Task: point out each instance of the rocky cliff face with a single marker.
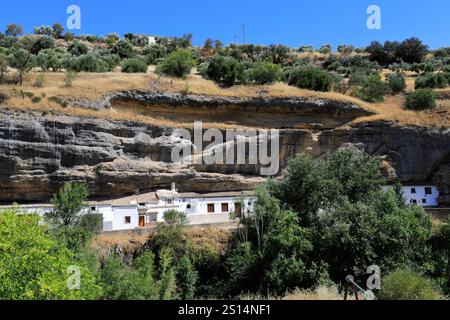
(39, 151)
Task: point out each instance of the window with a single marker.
(224, 207)
(142, 204)
(210, 207)
(413, 190)
(169, 201)
(127, 220)
(188, 206)
(428, 190)
(414, 201)
(93, 208)
(424, 200)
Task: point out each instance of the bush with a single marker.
(69, 77)
(407, 285)
(123, 49)
(134, 65)
(373, 89)
(421, 99)
(430, 80)
(39, 82)
(265, 72)
(153, 53)
(77, 49)
(397, 82)
(309, 77)
(178, 64)
(42, 43)
(88, 63)
(225, 70)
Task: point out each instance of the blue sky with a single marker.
(289, 22)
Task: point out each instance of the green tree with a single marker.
(225, 70)
(42, 43)
(397, 82)
(76, 48)
(309, 77)
(123, 49)
(13, 30)
(421, 99)
(265, 72)
(170, 234)
(23, 61)
(68, 203)
(134, 65)
(3, 66)
(186, 278)
(167, 282)
(34, 265)
(58, 29)
(178, 64)
(407, 285)
(252, 264)
(373, 89)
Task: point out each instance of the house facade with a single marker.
(147, 209)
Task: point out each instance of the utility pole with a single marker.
(234, 38)
(243, 33)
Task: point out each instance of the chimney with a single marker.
(173, 187)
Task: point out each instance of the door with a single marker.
(237, 209)
(141, 221)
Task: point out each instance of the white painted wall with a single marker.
(417, 195)
(119, 214)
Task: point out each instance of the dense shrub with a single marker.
(178, 64)
(224, 70)
(123, 49)
(410, 51)
(373, 89)
(153, 53)
(134, 65)
(88, 63)
(421, 99)
(407, 285)
(431, 80)
(265, 72)
(76, 48)
(309, 77)
(42, 43)
(397, 82)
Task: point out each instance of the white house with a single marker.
(423, 195)
(143, 210)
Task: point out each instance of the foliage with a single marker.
(13, 30)
(373, 89)
(431, 80)
(352, 221)
(225, 70)
(397, 82)
(178, 64)
(76, 48)
(186, 278)
(34, 265)
(421, 99)
(410, 51)
(23, 61)
(123, 49)
(42, 43)
(134, 65)
(88, 63)
(265, 72)
(69, 77)
(407, 285)
(154, 53)
(309, 77)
